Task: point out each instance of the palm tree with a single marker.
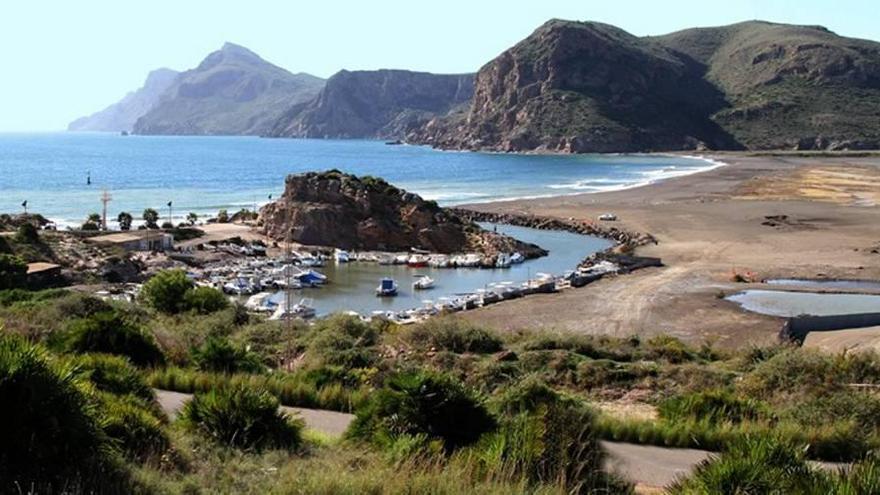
(192, 218)
(151, 216)
(124, 220)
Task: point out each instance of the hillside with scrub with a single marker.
(440, 407)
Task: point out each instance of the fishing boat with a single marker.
(503, 261)
(342, 256)
(423, 282)
(387, 287)
(417, 261)
(303, 309)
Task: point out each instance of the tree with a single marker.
(166, 291)
(124, 220)
(93, 222)
(223, 216)
(13, 272)
(192, 218)
(205, 300)
(151, 217)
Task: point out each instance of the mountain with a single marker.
(122, 115)
(591, 87)
(233, 91)
(375, 104)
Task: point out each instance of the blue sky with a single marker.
(63, 59)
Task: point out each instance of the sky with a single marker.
(64, 59)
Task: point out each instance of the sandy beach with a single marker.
(772, 216)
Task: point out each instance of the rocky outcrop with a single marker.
(122, 115)
(385, 104)
(590, 87)
(233, 91)
(366, 213)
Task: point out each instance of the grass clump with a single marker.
(422, 403)
(241, 417)
(714, 407)
(455, 335)
(219, 355)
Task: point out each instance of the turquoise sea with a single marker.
(205, 174)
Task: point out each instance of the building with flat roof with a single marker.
(137, 240)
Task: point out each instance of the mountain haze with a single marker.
(122, 115)
(375, 104)
(233, 91)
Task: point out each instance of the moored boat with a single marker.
(387, 287)
(423, 282)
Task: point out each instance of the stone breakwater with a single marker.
(625, 241)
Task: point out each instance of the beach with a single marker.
(770, 216)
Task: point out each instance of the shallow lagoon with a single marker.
(790, 304)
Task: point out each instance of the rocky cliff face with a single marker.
(122, 115)
(350, 212)
(589, 87)
(375, 104)
(233, 91)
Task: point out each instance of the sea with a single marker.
(64, 175)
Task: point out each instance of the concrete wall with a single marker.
(798, 327)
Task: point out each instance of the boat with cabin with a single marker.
(387, 287)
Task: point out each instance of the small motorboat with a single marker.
(311, 278)
(423, 282)
(608, 217)
(503, 261)
(342, 256)
(387, 287)
(517, 258)
(303, 309)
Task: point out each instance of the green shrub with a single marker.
(113, 374)
(455, 335)
(345, 341)
(667, 348)
(219, 355)
(137, 428)
(241, 417)
(13, 272)
(591, 346)
(27, 234)
(50, 432)
(712, 406)
(109, 333)
(755, 465)
(421, 403)
(204, 300)
(12, 296)
(166, 290)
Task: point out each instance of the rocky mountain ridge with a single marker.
(122, 115)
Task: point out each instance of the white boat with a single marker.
(259, 302)
(439, 261)
(303, 309)
(387, 287)
(401, 259)
(423, 282)
(608, 217)
(517, 258)
(503, 261)
(471, 260)
(342, 256)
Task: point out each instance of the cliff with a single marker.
(233, 91)
(341, 210)
(375, 104)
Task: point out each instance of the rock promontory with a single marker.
(367, 213)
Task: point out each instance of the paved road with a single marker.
(645, 465)
(329, 422)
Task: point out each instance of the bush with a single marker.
(241, 417)
(219, 355)
(166, 290)
(109, 333)
(204, 300)
(343, 340)
(420, 403)
(664, 347)
(27, 234)
(755, 465)
(714, 407)
(113, 374)
(11, 296)
(49, 429)
(13, 272)
(455, 335)
(137, 429)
